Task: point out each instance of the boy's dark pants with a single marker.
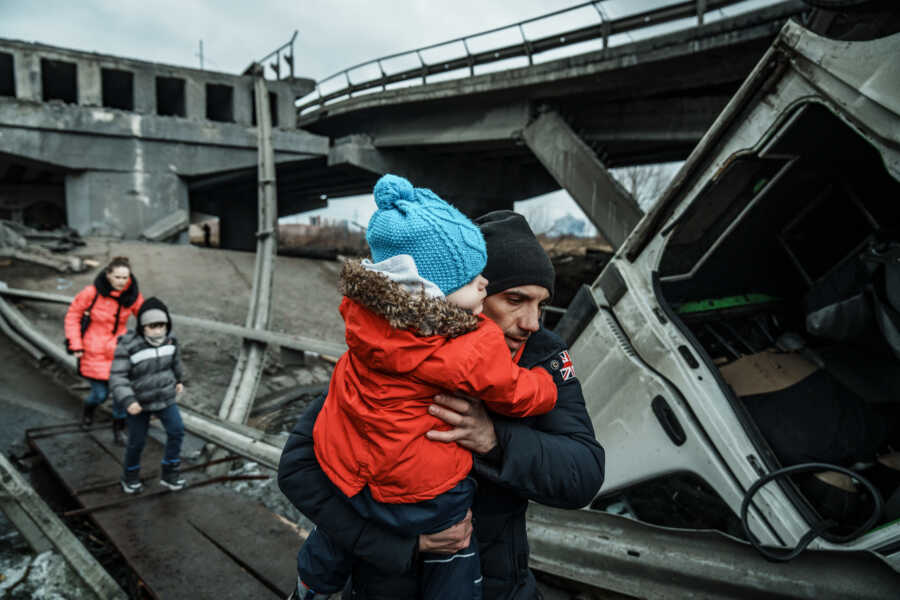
(324, 567)
(138, 424)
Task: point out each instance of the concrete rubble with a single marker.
(45, 576)
(26, 244)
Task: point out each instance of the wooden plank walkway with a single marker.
(200, 542)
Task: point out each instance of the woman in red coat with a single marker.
(94, 321)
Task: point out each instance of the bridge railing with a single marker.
(341, 86)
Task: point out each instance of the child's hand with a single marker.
(78, 353)
(179, 387)
(134, 408)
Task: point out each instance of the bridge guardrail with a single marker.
(528, 48)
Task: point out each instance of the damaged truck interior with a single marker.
(785, 273)
(744, 344)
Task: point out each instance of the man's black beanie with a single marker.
(514, 255)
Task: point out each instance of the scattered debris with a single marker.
(62, 239)
(30, 245)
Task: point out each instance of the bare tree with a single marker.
(538, 218)
(646, 182)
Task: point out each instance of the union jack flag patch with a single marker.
(566, 369)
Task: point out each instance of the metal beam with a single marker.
(641, 560)
(242, 390)
(33, 336)
(40, 518)
(577, 169)
(19, 518)
(22, 342)
(294, 342)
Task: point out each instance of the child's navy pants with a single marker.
(324, 567)
(138, 424)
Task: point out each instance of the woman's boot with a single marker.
(87, 415)
(118, 427)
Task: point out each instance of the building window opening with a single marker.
(7, 75)
(170, 97)
(273, 108)
(219, 102)
(59, 80)
(118, 89)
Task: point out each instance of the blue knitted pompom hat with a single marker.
(447, 247)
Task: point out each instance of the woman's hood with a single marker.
(126, 297)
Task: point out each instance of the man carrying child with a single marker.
(552, 458)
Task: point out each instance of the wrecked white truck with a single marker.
(740, 354)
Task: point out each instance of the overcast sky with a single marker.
(333, 34)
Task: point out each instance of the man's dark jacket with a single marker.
(553, 459)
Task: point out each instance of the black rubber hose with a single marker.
(818, 528)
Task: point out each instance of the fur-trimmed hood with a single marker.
(404, 310)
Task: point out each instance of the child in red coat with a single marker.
(414, 330)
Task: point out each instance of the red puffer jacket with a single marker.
(371, 430)
(108, 318)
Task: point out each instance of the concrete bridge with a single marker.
(112, 145)
(487, 140)
(119, 143)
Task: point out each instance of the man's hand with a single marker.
(78, 353)
(179, 387)
(451, 540)
(134, 408)
(472, 427)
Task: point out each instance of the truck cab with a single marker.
(751, 320)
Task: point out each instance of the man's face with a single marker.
(517, 310)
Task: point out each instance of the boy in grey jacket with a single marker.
(145, 377)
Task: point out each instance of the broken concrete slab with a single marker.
(167, 227)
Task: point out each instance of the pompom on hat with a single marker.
(447, 247)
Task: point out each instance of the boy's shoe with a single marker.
(172, 479)
(131, 482)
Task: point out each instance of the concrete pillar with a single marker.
(195, 98)
(243, 104)
(144, 92)
(28, 75)
(122, 203)
(90, 89)
(287, 115)
(577, 169)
